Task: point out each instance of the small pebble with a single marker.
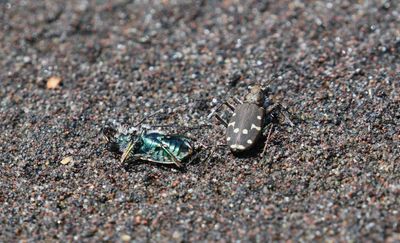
(126, 238)
(66, 160)
(53, 82)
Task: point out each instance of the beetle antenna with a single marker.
(147, 117)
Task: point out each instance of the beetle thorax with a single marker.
(256, 96)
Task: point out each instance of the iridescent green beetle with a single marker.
(153, 147)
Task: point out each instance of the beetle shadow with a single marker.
(133, 166)
(199, 158)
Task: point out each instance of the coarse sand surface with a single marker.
(70, 68)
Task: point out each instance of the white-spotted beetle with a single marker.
(249, 120)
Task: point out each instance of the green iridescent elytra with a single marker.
(153, 147)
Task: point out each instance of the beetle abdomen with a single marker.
(156, 145)
(245, 127)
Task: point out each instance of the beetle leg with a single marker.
(214, 112)
(230, 106)
(148, 159)
(197, 151)
(267, 140)
(286, 114)
(221, 120)
(127, 152)
(282, 111)
(147, 117)
(193, 158)
(176, 160)
(237, 100)
(211, 153)
(271, 108)
(266, 129)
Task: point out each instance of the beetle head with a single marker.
(256, 95)
(116, 142)
(108, 134)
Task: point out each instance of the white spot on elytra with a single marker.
(237, 146)
(240, 147)
(234, 114)
(231, 124)
(255, 127)
(245, 131)
(249, 141)
(228, 139)
(259, 117)
(236, 130)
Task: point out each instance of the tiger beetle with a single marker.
(153, 146)
(250, 120)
